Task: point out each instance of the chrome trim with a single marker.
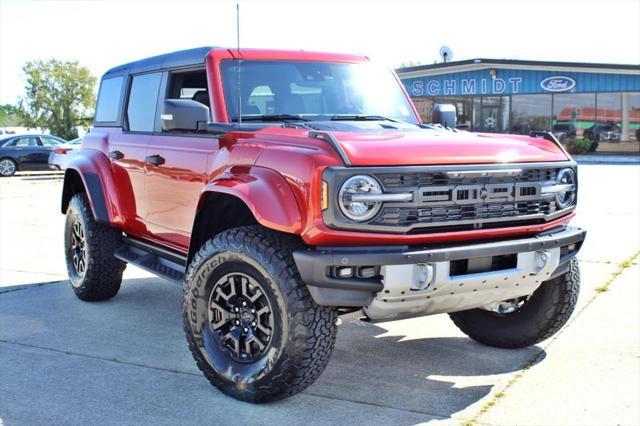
(552, 189)
(484, 173)
(386, 197)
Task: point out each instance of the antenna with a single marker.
(239, 62)
(446, 54)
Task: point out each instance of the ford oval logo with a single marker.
(557, 84)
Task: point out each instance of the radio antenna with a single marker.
(239, 62)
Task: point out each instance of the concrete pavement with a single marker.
(63, 361)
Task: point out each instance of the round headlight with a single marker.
(359, 208)
(565, 198)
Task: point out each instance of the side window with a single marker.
(189, 85)
(143, 99)
(48, 141)
(108, 105)
(27, 142)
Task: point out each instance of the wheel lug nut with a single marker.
(237, 322)
(244, 303)
(246, 330)
(253, 324)
(253, 311)
(236, 309)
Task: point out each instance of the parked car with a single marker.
(26, 152)
(283, 199)
(61, 155)
(599, 132)
(563, 131)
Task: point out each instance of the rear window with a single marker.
(142, 102)
(108, 105)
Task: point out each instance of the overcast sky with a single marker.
(103, 34)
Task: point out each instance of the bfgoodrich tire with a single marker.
(251, 325)
(94, 273)
(539, 318)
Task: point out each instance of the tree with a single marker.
(9, 116)
(59, 96)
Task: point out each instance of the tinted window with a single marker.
(30, 142)
(109, 100)
(143, 97)
(50, 141)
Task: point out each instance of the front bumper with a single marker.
(316, 266)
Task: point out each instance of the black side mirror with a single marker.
(445, 115)
(184, 115)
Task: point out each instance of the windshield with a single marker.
(313, 91)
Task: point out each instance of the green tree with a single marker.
(9, 116)
(59, 96)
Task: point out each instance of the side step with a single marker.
(159, 261)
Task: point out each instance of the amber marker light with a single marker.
(324, 202)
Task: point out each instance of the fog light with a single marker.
(366, 272)
(345, 272)
(540, 261)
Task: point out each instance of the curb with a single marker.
(607, 159)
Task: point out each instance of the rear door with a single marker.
(176, 165)
(127, 148)
(27, 150)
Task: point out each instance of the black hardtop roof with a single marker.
(180, 58)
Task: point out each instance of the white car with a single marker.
(61, 155)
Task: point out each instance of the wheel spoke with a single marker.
(225, 315)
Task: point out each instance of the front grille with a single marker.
(408, 216)
(454, 198)
(415, 179)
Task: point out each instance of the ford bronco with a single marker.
(282, 189)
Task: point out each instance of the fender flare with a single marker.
(264, 191)
(94, 169)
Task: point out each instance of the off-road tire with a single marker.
(102, 274)
(304, 332)
(546, 311)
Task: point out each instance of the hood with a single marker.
(408, 148)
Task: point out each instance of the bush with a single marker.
(577, 146)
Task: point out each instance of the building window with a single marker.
(578, 109)
(530, 112)
(632, 101)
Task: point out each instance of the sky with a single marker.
(102, 34)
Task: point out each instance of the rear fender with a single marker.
(94, 169)
(265, 192)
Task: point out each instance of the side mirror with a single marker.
(184, 115)
(445, 115)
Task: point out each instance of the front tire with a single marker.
(250, 322)
(539, 317)
(94, 272)
(8, 167)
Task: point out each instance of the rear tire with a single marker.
(94, 272)
(250, 322)
(541, 316)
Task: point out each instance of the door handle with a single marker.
(116, 155)
(156, 160)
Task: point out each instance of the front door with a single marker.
(176, 168)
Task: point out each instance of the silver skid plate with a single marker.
(427, 289)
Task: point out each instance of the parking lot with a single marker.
(63, 361)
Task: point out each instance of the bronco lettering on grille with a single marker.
(479, 193)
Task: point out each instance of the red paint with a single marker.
(276, 171)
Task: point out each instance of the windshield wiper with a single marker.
(361, 117)
(271, 117)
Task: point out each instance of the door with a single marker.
(48, 144)
(28, 152)
(176, 168)
(127, 149)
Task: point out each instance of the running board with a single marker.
(159, 261)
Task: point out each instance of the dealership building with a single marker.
(501, 95)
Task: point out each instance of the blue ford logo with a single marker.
(557, 84)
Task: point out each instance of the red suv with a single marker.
(283, 189)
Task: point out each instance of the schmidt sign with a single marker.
(450, 85)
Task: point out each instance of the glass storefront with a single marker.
(602, 116)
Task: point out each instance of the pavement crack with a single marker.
(20, 287)
(112, 360)
(373, 404)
